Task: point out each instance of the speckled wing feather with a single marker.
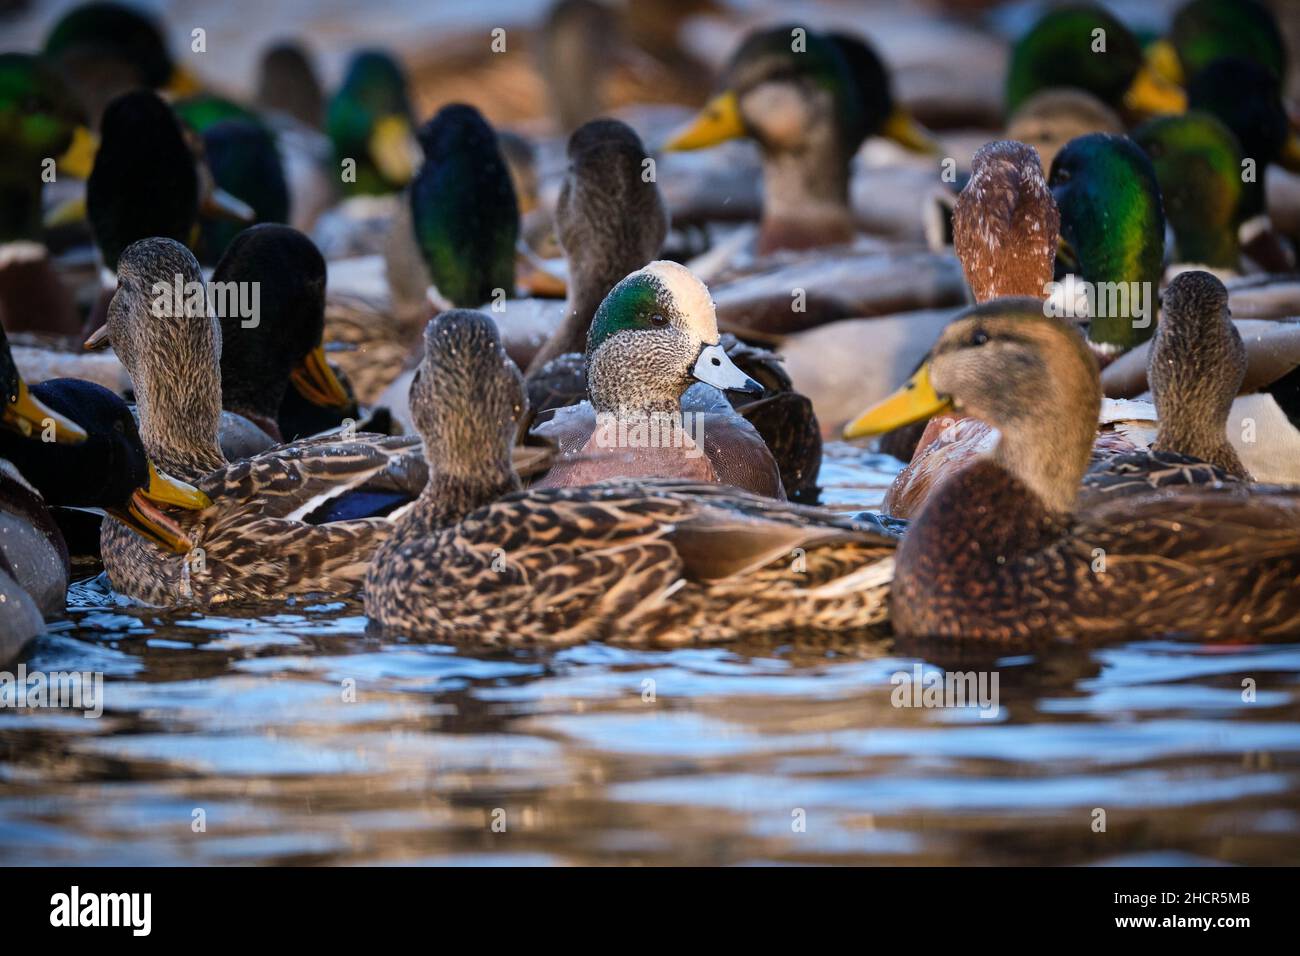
(1148, 470)
(254, 543)
(659, 561)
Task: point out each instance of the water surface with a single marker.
(297, 738)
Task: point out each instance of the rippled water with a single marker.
(787, 751)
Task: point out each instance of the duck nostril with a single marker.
(716, 362)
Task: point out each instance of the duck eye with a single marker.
(979, 338)
(658, 319)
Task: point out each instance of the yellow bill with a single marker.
(1152, 95)
(718, 122)
(1289, 158)
(145, 516)
(316, 381)
(914, 402)
(182, 83)
(904, 130)
(66, 213)
(393, 149)
(79, 158)
(34, 419)
(1163, 60)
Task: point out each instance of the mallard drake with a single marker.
(1198, 165)
(808, 100)
(273, 367)
(653, 335)
(280, 167)
(147, 180)
(248, 532)
(370, 123)
(106, 49)
(63, 442)
(1112, 231)
(241, 153)
(39, 118)
(643, 561)
(1000, 552)
(1084, 47)
(464, 178)
(1203, 31)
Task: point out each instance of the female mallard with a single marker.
(808, 100)
(653, 335)
(1196, 366)
(249, 532)
(273, 366)
(476, 559)
(999, 551)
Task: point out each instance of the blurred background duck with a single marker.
(39, 120)
(106, 49)
(371, 125)
(617, 560)
(808, 100)
(652, 337)
(274, 370)
(252, 521)
(1001, 552)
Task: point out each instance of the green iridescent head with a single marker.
(1112, 227)
(463, 208)
(369, 120)
(655, 334)
(115, 31)
(1198, 165)
(1206, 30)
(1247, 99)
(204, 110)
(1065, 48)
(243, 159)
(38, 120)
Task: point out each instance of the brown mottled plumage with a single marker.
(644, 561)
(1196, 366)
(999, 551)
(1005, 224)
(256, 540)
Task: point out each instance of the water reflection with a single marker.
(295, 737)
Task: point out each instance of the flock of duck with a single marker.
(619, 453)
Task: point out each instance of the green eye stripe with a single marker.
(630, 305)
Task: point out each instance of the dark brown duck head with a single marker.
(1005, 224)
(610, 219)
(1196, 368)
